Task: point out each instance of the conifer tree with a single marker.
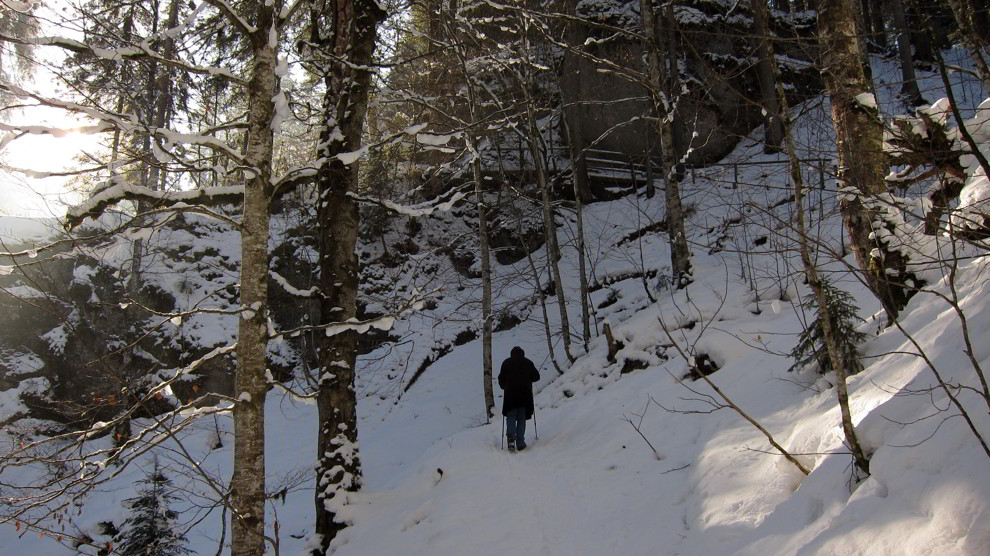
(151, 530)
(842, 314)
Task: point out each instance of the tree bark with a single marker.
(924, 44)
(570, 87)
(534, 142)
(768, 87)
(160, 99)
(661, 86)
(472, 140)
(486, 267)
(814, 281)
(862, 166)
(910, 93)
(248, 481)
(583, 272)
(348, 41)
(877, 26)
(549, 226)
(486, 292)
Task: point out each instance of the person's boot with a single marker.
(511, 442)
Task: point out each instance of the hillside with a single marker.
(632, 457)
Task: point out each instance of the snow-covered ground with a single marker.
(642, 462)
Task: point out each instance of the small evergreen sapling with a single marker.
(811, 344)
(151, 530)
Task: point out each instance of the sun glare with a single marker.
(38, 167)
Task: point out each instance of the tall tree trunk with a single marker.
(543, 298)
(814, 279)
(160, 111)
(815, 282)
(570, 92)
(535, 143)
(570, 83)
(872, 19)
(248, 481)
(472, 140)
(920, 38)
(486, 293)
(348, 41)
(910, 93)
(862, 167)
(877, 28)
(549, 224)
(661, 87)
(486, 266)
(764, 68)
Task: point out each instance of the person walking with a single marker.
(516, 378)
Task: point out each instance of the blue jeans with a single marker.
(515, 426)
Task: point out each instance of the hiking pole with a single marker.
(536, 429)
(503, 433)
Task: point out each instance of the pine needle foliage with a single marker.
(151, 529)
(811, 347)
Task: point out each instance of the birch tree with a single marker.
(260, 26)
(662, 75)
(862, 165)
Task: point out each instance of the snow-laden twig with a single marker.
(96, 204)
(133, 52)
(424, 209)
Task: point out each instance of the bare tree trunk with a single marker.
(247, 484)
(583, 272)
(661, 86)
(814, 280)
(862, 166)
(872, 14)
(924, 43)
(486, 262)
(877, 27)
(534, 142)
(550, 229)
(160, 98)
(910, 93)
(486, 293)
(348, 42)
(543, 299)
(486, 269)
(471, 140)
(570, 87)
(768, 87)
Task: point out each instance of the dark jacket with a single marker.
(516, 378)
